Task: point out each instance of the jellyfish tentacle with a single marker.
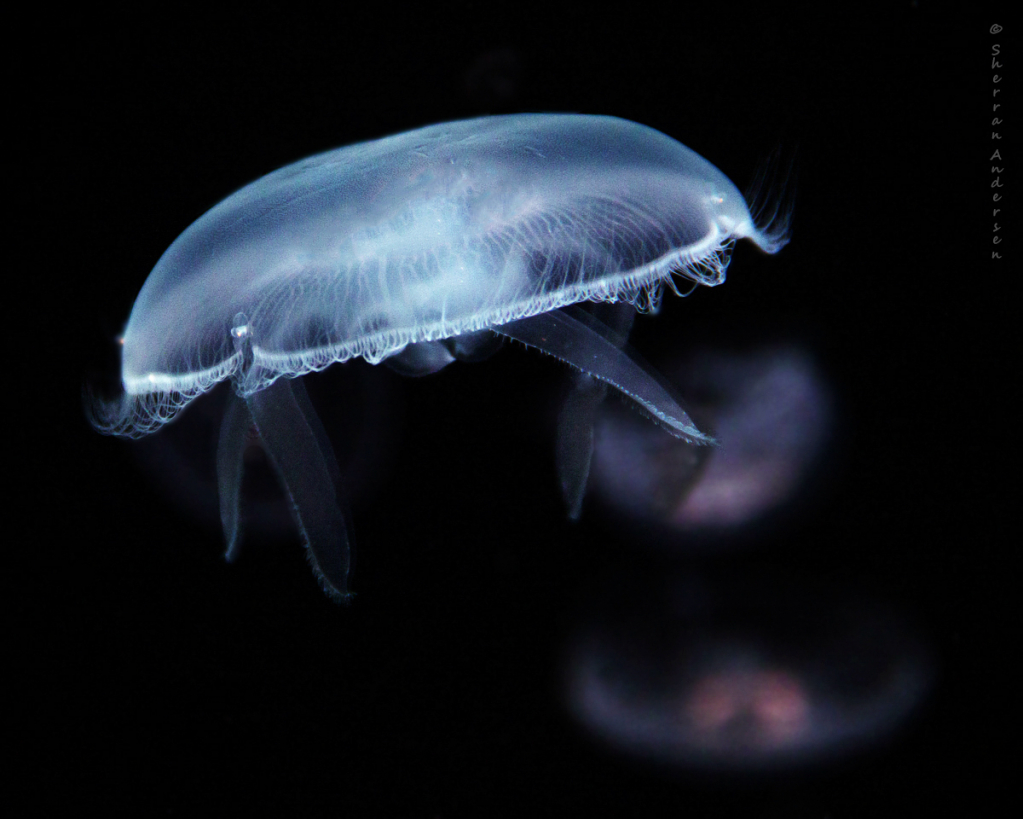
(234, 434)
(303, 461)
(586, 346)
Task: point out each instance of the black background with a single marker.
(159, 680)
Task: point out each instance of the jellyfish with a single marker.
(773, 407)
(741, 673)
(418, 250)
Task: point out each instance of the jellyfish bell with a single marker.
(416, 250)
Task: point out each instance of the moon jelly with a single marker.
(742, 673)
(420, 249)
(771, 405)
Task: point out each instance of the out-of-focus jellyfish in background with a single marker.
(772, 412)
(742, 676)
(418, 250)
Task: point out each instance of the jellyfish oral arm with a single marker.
(574, 451)
(234, 433)
(581, 343)
(428, 357)
(424, 358)
(305, 468)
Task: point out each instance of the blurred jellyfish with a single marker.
(743, 677)
(772, 414)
